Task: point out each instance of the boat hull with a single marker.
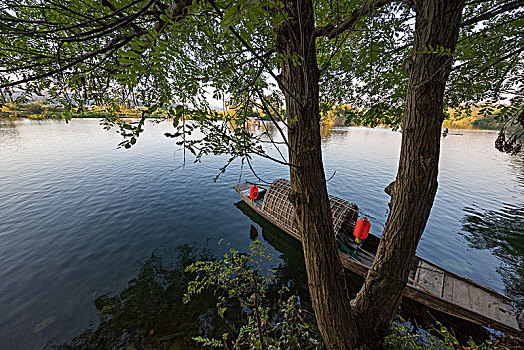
(494, 311)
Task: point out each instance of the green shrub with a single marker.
(239, 279)
(405, 336)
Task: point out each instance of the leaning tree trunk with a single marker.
(300, 84)
(413, 191)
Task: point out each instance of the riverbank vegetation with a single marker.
(470, 117)
(41, 110)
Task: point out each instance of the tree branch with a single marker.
(512, 5)
(330, 31)
(268, 112)
(98, 21)
(259, 58)
(175, 9)
(126, 21)
(513, 53)
(113, 45)
(115, 10)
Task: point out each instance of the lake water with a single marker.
(78, 217)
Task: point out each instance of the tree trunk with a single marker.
(414, 189)
(327, 285)
(364, 321)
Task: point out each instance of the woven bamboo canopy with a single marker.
(277, 204)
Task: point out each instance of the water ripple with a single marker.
(76, 213)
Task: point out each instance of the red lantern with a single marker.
(361, 230)
(253, 192)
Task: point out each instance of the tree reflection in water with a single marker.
(502, 232)
(150, 313)
(8, 129)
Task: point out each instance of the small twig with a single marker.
(332, 176)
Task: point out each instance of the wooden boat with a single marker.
(429, 284)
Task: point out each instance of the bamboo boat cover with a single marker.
(277, 204)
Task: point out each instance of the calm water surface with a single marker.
(78, 215)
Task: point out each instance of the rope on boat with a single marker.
(363, 214)
(257, 184)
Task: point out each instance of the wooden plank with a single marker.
(366, 260)
(477, 297)
(498, 309)
(430, 277)
(417, 272)
(452, 309)
(458, 277)
(447, 291)
(413, 270)
(482, 302)
(478, 300)
(461, 294)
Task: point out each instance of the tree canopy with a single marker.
(164, 54)
(381, 56)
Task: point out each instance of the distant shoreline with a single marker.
(446, 124)
(472, 119)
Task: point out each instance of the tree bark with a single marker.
(414, 189)
(363, 322)
(330, 298)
